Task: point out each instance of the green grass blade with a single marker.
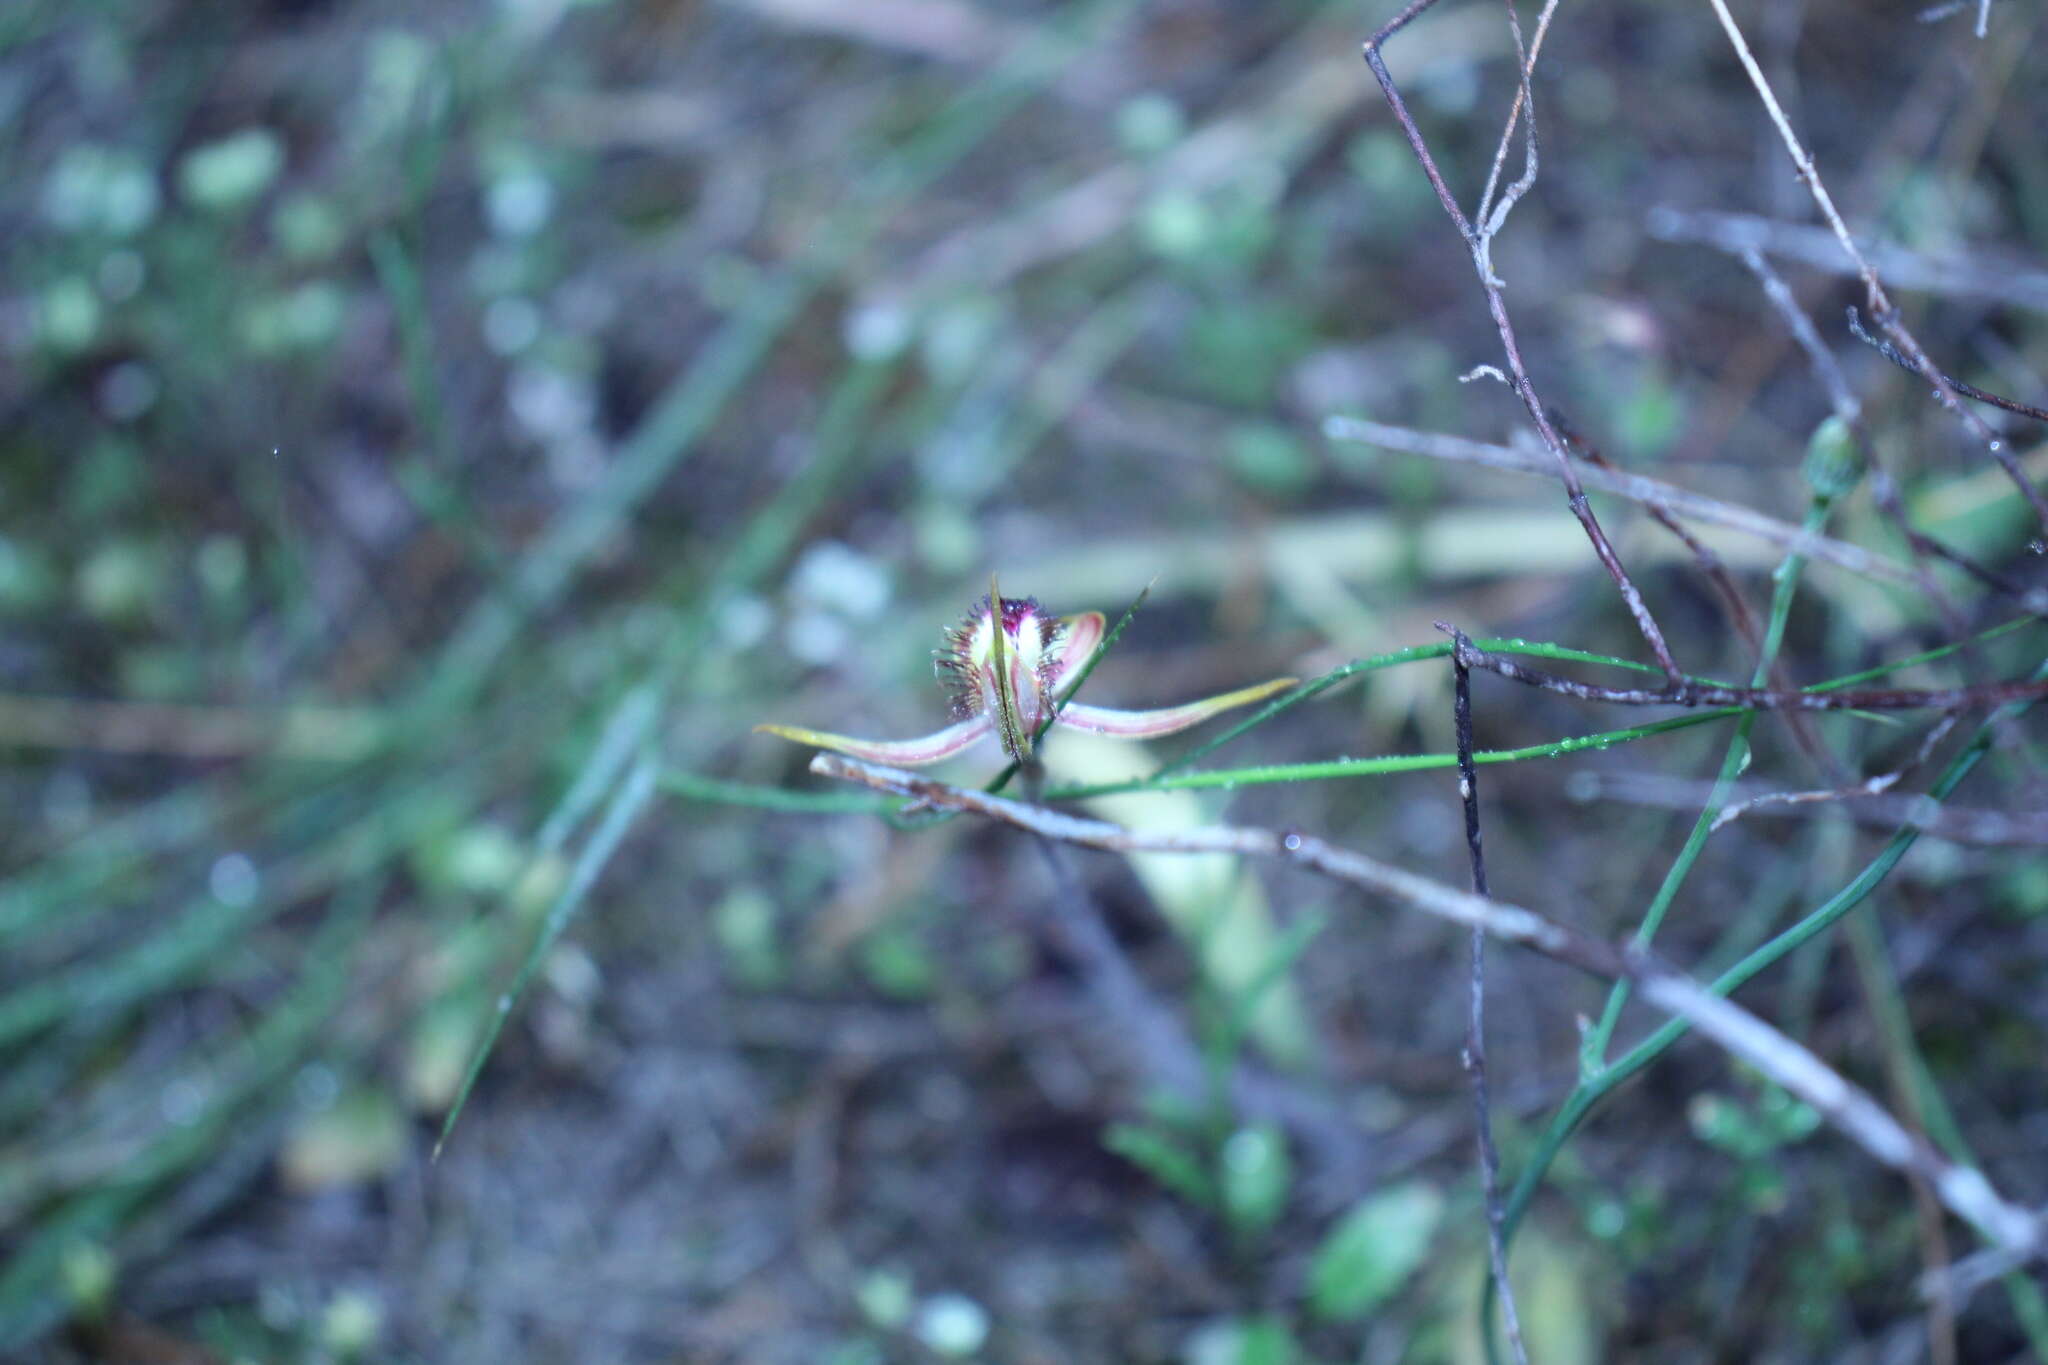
(624, 735)
(624, 809)
(1593, 1047)
(1590, 1092)
(30, 1300)
(1267, 774)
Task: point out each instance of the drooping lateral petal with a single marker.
(1079, 635)
(1167, 720)
(897, 753)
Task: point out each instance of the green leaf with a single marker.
(899, 963)
(227, 174)
(1372, 1250)
(1164, 1159)
(1253, 1176)
(1244, 1341)
(359, 1138)
(1269, 459)
(744, 926)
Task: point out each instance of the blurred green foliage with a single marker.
(434, 437)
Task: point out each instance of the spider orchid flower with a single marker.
(1008, 667)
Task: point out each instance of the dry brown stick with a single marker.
(1494, 216)
(1935, 820)
(1681, 502)
(1891, 353)
(1157, 1046)
(1870, 786)
(1849, 410)
(1732, 599)
(1963, 1191)
(1475, 1018)
(1709, 563)
(1881, 306)
(1478, 240)
(1687, 692)
(1884, 488)
(2012, 281)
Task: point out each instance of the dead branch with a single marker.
(1479, 241)
(1680, 502)
(2015, 282)
(1882, 309)
(1475, 1019)
(1962, 1190)
(1690, 693)
(1891, 353)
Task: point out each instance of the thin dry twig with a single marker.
(1157, 1047)
(1687, 692)
(1934, 820)
(1870, 786)
(1732, 599)
(1964, 1278)
(1475, 1023)
(1709, 563)
(1495, 216)
(1884, 488)
(1934, 14)
(1881, 306)
(1851, 1110)
(1680, 502)
(1479, 241)
(1891, 353)
(2015, 282)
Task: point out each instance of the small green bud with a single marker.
(1833, 462)
(352, 1324)
(88, 1272)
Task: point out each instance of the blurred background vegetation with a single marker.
(431, 436)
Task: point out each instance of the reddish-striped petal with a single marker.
(1167, 720)
(897, 753)
(1079, 635)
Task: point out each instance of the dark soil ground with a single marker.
(433, 436)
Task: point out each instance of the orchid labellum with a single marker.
(1009, 665)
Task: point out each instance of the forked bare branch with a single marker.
(1883, 487)
(1851, 1110)
(1680, 502)
(1491, 216)
(1891, 353)
(1882, 310)
(1478, 240)
(1934, 819)
(2007, 279)
(1691, 693)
